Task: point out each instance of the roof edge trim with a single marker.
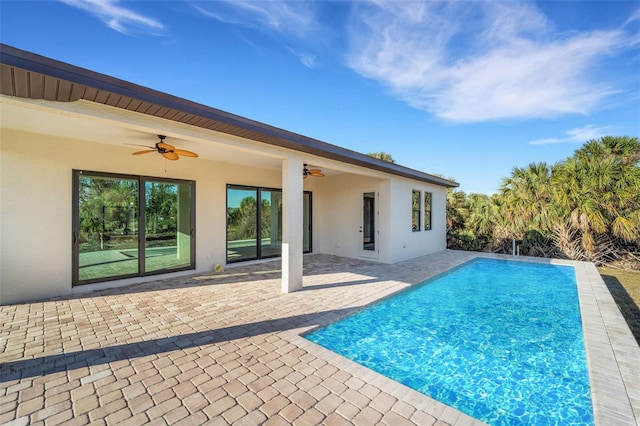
(14, 57)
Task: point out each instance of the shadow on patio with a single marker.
(50, 364)
(315, 265)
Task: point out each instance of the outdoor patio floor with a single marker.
(226, 349)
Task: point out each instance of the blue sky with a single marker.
(465, 89)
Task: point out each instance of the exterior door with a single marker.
(130, 226)
(369, 226)
(254, 223)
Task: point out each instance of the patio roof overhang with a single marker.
(27, 75)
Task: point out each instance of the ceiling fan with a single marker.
(168, 151)
(311, 172)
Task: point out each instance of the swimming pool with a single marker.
(499, 340)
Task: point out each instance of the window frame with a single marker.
(427, 211)
(258, 194)
(141, 220)
(416, 210)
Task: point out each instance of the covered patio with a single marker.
(222, 348)
(100, 215)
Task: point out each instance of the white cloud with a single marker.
(309, 60)
(580, 135)
(295, 18)
(479, 61)
(116, 17)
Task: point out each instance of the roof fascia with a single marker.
(32, 62)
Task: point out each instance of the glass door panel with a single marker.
(368, 221)
(107, 227)
(167, 226)
(369, 226)
(270, 223)
(306, 222)
(242, 224)
(247, 219)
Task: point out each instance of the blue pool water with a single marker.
(499, 340)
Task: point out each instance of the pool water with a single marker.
(498, 340)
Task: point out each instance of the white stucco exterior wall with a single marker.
(405, 243)
(36, 195)
(338, 203)
(36, 207)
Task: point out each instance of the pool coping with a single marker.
(611, 349)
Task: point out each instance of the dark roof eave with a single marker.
(16, 58)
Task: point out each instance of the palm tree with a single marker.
(526, 199)
(598, 191)
(384, 156)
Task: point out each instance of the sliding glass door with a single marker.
(242, 218)
(270, 223)
(106, 240)
(254, 229)
(128, 226)
(167, 226)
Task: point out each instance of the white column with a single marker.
(292, 224)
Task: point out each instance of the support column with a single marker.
(292, 224)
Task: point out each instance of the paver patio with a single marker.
(226, 349)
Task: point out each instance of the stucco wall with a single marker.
(338, 202)
(36, 201)
(338, 207)
(406, 244)
(36, 213)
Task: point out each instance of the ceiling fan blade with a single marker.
(137, 144)
(314, 170)
(170, 156)
(316, 174)
(185, 153)
(304, 177)
(146, 151)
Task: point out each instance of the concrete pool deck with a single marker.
(226, 349)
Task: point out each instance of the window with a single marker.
(128, 226)
(254, 230)
(415, 211)
(427, 211)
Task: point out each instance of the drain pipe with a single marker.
(513, 246)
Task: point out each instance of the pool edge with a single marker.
(611, 350)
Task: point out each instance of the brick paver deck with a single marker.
(226, 349)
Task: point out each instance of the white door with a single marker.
(368, 232)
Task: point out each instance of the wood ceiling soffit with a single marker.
(64, 91)
(223, 127)
(153, 109)
(144, 107)
(102, 97)
(36, 85)
(134, 105)
(163, 112)
(21, 83)
(123, 102)
(170, 114)
(192, 119)
(180, 116)
(112, 99)
(77, 92)
(90, 94)
(209, 124)
(6, 81)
